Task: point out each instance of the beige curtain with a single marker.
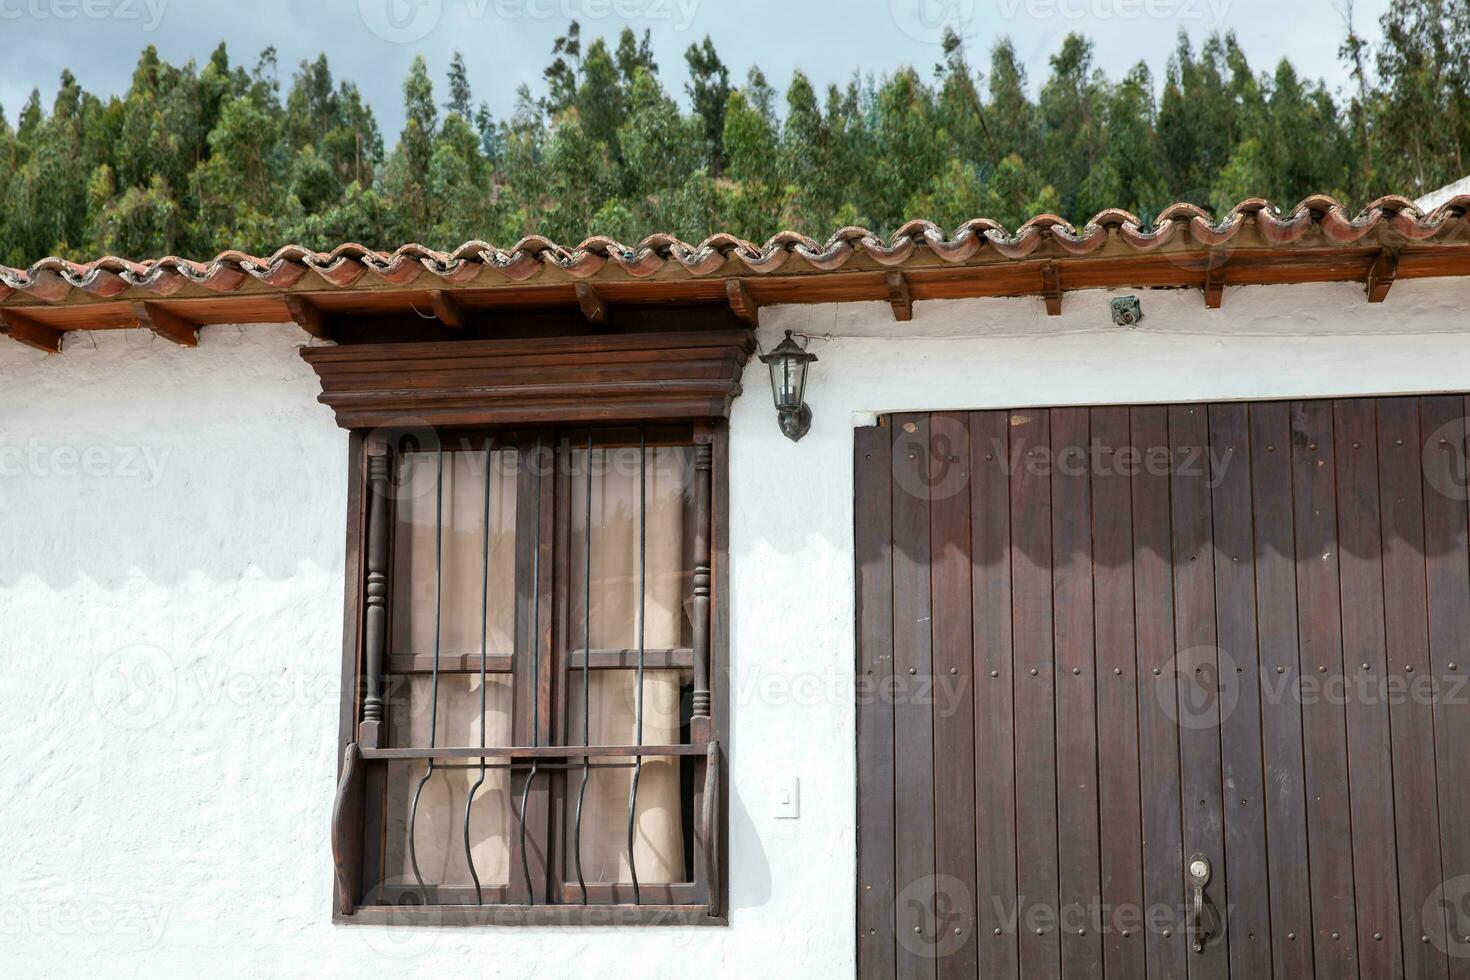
(658, 843)
(463, 544)
(613, 621)
(439, 829)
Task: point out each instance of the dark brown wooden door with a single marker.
(1097, 646)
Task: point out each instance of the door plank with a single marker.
(1405, 599)
(913, 738)
(1240, 725)
(953, 706)
(1281, 711)
(1370, 765)
(873, 535)
(1031, 616)
(1120, 828)
(1198, 669)
(1324, 728)
(1163, 847)
(1079, 862)
(1447, 566)
(995, 776)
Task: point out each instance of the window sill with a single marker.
(531, 915)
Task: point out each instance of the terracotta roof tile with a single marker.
(52, 279)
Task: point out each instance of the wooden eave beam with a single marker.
(899, 297)
(448, 308)
(319, 312)
(1381, 276)
(594, 307)
(32, 333)
(308, 316)
(741, 303)
(167, 324)
(1051, 287)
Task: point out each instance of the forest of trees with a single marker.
(195, 159)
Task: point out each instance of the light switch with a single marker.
(788, 799)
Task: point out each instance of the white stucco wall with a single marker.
(171, 528)
(1435, 198)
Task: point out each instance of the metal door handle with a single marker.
(1199, 876)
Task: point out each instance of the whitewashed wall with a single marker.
(171, 529)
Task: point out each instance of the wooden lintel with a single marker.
(308, 316)
(1215, 283)
(23, 329)
(1381, 276)
(448, 308)
(898, 296)
(1051, 288)
(593, 306)
(741, 303)
(167, 324)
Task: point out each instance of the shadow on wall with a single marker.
(126, 455)
(750, 882)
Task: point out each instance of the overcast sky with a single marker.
(506, 42)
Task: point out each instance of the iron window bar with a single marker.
(535, 626)
(528, 752)
(413, 810)
(484, 649)
(606, 658)
(642, 623)
(586, 666)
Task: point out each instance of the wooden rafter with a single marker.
(1381, 276)
(308, 316)
(167, 324)
(448, 308)
(1215, 282)
(1051, 288)
(21, 328)
(898, 296)
(594, 307)
(741, 302)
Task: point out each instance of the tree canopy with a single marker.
(193, 159)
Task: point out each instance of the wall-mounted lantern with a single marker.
(788, 363)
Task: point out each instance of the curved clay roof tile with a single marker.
(1394, 218)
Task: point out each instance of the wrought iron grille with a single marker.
(535, 632)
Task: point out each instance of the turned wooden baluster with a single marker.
(375, 615)
(347, 809)
(700, 724)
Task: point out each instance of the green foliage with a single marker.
(194, 159)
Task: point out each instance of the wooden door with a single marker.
(1101, 649)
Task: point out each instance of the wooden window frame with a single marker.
(361, 778)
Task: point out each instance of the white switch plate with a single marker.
(787, 799)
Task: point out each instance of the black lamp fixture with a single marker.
(788, 363)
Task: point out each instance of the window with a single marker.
(540, 733)
(533, 638)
